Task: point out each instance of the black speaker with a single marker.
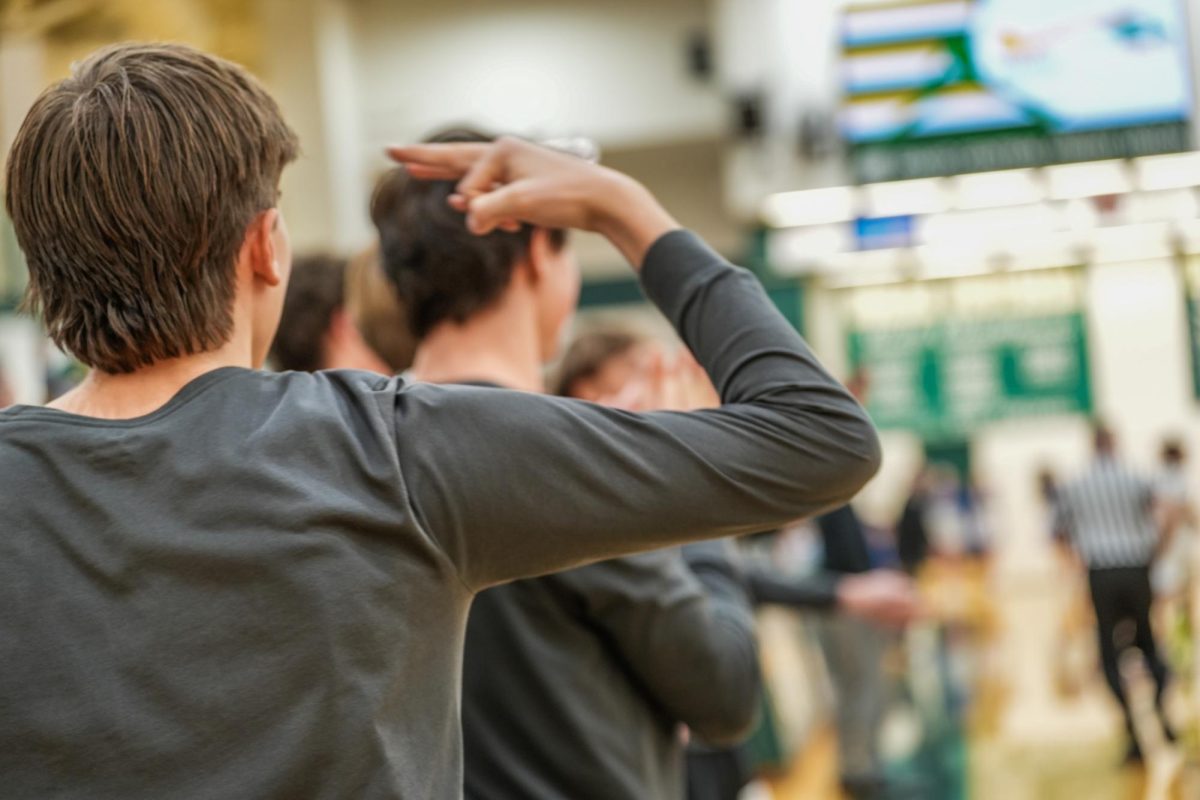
(748, 114)
(699, 56)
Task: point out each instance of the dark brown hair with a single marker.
(316, 290)
(588, 354)
(130, 185)
(440, 269)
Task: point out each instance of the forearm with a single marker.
(817, 592)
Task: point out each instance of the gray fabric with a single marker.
(1107, 515)
(575, 684)
(816, 592)
(260, 589)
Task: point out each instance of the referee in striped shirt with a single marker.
(1107, 516)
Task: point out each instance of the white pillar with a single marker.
(309, 67)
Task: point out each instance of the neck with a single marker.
(354, 354)
(499, 346)
(134, 394)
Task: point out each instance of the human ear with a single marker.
(540, 255)
(258, 248)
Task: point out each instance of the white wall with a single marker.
(353, 77)
(311, 71)
(614, 71)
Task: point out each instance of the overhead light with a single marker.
(1044, 252)
(1169, 204)
(1093, 179)
(994, 189)
(810, 207)
(800, 249)
(865, 268)
(906, 198)
(989, 227)
(1175, 171)
(1131, 243)
(957, 260)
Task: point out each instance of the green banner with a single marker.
(949, 378)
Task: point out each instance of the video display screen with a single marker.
(921, 70)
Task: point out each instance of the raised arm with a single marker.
(512, 484)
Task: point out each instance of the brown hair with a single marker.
(130, 185)
(377, 312)
(440, 269)
(317, 289)
(588, 354)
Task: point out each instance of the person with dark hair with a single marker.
(578, 684)
(1174, 568)
(261, 580)
(448, 274)
(1107, 517)
(316, 330)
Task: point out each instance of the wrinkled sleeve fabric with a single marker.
(511, 484)
(684, 630)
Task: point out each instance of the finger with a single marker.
(423, 173)
(486, 212)
(453, 159)
(488, 170)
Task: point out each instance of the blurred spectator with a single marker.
(1173, 568)
(377, 312)
(1107, 515)
(854, 649)
(912, 530)
(317, 330)
(1048, 493)
(575, 684)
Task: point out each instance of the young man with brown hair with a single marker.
(221, 582)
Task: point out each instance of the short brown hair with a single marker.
(130, 185)
(317, 289)
(588, 354)
(440, 269)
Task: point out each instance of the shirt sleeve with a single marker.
(511, 484)
(817, 592)
(684, 629)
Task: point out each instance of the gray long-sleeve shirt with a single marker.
(260, 589)
(574, 684)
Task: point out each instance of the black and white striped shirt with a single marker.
(1108, 515)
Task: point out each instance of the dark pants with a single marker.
(1123, 594)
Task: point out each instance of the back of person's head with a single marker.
(594, 364)
(1103, 439)
(1173, 453)
(131, 186)
(317, 290)
(376, 310)
(441, 270)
